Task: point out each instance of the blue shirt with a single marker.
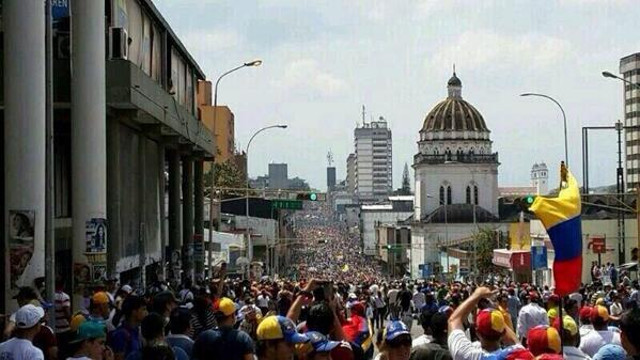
(235, 344)
(179, 353)
(182, 341)
(125, 339)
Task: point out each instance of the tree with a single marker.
(485, 242)
(226, 175)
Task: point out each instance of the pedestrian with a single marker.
(601, 334)
(234, 344)
(152, 329)
(630, 333)
(610, 352)
(277, 337)
(27, 325)
(396, 342)
(180, 326)
(125, 339)
(90, 342)
(570, 339)
(543, 339)
(436, 348)
(530, 316)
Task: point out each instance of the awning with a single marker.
(516, 260)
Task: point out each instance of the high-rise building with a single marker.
(278, 176)
(540, 178)
(373, 175)
(331, 178)
(351, 174)
(630, 70)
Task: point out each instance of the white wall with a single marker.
(369, 219)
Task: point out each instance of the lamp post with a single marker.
(248, 235)
(564, 119)
(256, 62)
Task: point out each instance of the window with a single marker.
(468, 194)
(471, 151)
(441, 195)
(448, 195)
(475, 194)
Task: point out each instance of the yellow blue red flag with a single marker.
(561, 217)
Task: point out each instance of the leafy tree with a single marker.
(485, 242)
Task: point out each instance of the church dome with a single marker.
(454, 113)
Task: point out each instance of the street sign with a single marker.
(538, 257)
(598, 244)
(286, 204)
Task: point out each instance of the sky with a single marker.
(324, 59)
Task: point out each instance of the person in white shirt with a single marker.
(490, 328)
(601, 335)
(530, 316)
(418, 300)
(570, 339)
(425, 321)
(28, 322)
(616, 308)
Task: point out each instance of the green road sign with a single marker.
(287, 204)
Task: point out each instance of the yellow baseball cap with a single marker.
(100, 297)
(226, 306)
(277, 327)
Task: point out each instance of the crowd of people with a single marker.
(343, 309)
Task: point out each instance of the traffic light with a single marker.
(307, 196)
(525, 202)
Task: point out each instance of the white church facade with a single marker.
(456, 180)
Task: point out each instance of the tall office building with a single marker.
(373, 175)
(351, 174)
(331, 178)
(278, 176)
(630, 70)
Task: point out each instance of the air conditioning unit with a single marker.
(118, 43)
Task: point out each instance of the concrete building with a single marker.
(373, 161)
(224, 127)
(278, 176)
(397, 208)
(121, 117)
(331, 178)
(456, 178)
(394, 248)
(540, 178)
(351, 174)
(630, 70)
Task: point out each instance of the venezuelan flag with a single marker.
(561, 217)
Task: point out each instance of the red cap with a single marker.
(490, 323)
(555, 298)
(543, 339)
(585, 313)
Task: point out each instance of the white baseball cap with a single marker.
(126, 288)
(29, 316)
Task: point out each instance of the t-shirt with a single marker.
(19, 349)
(62, 301)
(594, 340)
(125, 340)
(262, 301)
(431, 351)
(461, 347)
(182, 341)
(405, 297)
(178, 352)
(44, 340)
(234, 344)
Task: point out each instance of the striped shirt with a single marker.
(62, 301)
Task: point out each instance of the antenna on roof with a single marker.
(454, 68)
(363, 115)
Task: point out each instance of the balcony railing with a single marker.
(462, 158)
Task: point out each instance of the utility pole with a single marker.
(620, 191)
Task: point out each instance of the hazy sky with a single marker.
(324, 59)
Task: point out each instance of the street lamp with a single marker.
(610, 75)
(564, 119)
(246, 154)
(256, 62)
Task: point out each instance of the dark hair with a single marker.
(320, 318)
(425, 319)
(180, 321)
(569, 304)
(132, 303)
(152, 326)
(439, 324)
(161, 300)
(157, 352)
(630, 326)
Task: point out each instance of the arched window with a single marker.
(448, 195)
(472, 151)
(441, 195)
(468, 194)
(475, 194)
(436, 152)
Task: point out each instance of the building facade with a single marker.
(126, 116)
(331, 178)
(630, 70)
(351, 174)
(373, 161)
(540, 178)
(278, 176)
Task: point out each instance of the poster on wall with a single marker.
(81, 277)
(21, 242)
(96, 235)
(99, 273)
